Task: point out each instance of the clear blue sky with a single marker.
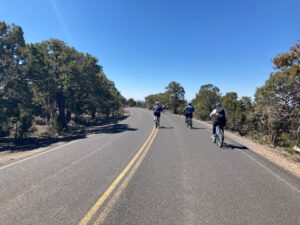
(145, 44)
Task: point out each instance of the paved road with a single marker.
(178, 176)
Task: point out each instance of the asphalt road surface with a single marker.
(131, 173)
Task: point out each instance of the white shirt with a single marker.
(214, 112)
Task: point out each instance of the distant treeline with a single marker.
(272, 117)
(49, 82)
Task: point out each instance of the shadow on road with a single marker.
(162, 127)
(116, 128)
(27, 144)
(234, 146)
(198, 128)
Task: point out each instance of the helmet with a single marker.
(218, 104)
(157, 103)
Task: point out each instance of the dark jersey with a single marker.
(221, 117)
(189, 109)
(157, 109)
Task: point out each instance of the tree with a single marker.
(175, 93)
(141, 104)
(49, 80)
(248, 120)
(15, 93)
(278, 101)
(57, 57)
(131, 102)
(150, 100)
(233, 110)
(206, 99)
(87, 91)
(162, 98)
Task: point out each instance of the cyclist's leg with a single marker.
(221, 126)
(185, 119)
(158, 117)
(155, 116)
(214, 127)
(191, 118)
(221, 135)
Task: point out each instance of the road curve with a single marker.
(178, 177)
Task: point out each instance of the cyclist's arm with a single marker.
(214, 112)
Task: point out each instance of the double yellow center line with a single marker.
(118, 185)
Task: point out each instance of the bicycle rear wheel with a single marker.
(156, 122)
(220, 138)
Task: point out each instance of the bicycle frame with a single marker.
(156, 121)
(189, 122)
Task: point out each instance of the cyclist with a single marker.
(164, 108)
(220, 118)
(157, 109)
(188, 111)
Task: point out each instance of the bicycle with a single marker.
(219, 136)
(189, 122)
(156, 121)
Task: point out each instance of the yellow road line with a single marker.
(101, 218)
(86, 219)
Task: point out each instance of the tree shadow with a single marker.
(116, 128)
(162, 127)
(28, 144)
(99, 122)
(198, 128)
(234, 146)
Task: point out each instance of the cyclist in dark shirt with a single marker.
(188, 111)
(220, 118)
(157, 109)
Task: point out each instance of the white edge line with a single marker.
(38, 154)
(263, 166)
(271, 172)
(47, 151)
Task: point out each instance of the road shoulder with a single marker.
(17, 153)
(284, 160)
